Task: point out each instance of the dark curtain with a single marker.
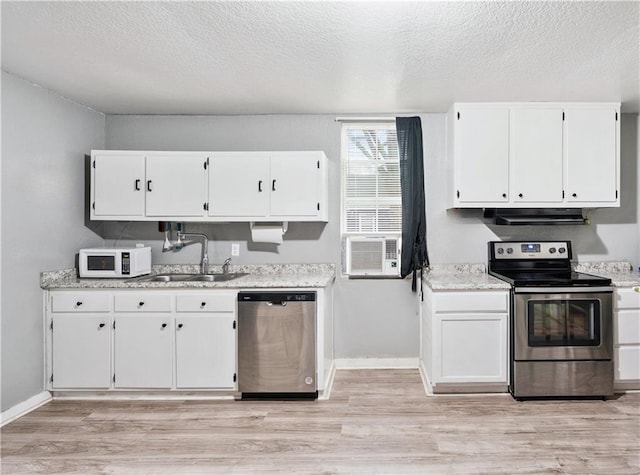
(414, 228)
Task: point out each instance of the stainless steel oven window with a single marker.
(602, 327)
(564, 322)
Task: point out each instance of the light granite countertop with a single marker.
(258, 276)
(462, 277)
(620, 272)
(475, 277)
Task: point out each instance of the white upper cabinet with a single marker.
(209, 186)
(536, 155)
(117, 185)
(176, 185)
(592, 155)
(268, 186)
(296, 185)
(482, 155)
(239, 185)
(526, 155)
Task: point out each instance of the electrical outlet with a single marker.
(235, 249)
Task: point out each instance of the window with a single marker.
(371, 200)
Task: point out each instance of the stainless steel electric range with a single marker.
(561, 331)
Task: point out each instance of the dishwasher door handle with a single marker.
(283, 303)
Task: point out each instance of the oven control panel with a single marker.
(530, 250)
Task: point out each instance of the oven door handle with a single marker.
(561, 290)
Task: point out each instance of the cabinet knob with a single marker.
(202, 304)
(102, 325)
(141, 303)
(520, 195)
(78, 303)
(575, 195)
(164, 325)
(504, 195)
(180, 325)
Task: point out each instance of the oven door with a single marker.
(563, 323)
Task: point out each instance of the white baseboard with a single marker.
(24, 407)
(328, 384)
(425, 380)
(377, 363)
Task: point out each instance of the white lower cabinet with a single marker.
(142, 351)
(206, 340)
(626, 354)
(470, 348)
(141, 339)
(81, 351)
(205, 351)
(465, 340)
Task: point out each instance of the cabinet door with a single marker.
(81, 351)
(482, 155)
(626, 366)
(295, 185)
(118, 185)
(536, 155)
(142, 351)
(239, 185)
(176, 185)
(591, 154)
(205, 351)
(470, 348)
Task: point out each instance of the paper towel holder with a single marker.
(283, 225)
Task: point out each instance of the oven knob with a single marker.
(500, 250)
(552, 250)
(562, 250)
(509, 250)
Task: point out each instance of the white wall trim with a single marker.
(377, 363)
(425, 380)
(325, 394)
(24, 407)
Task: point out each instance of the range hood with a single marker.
(535, 216)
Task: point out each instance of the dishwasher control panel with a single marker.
(276, 297)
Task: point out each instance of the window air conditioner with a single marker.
(375, 256)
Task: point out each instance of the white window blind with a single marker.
(371, 201)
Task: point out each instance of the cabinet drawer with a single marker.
(140, 302)
(209, 302)
(627, 298)
(80, 302)
(470, 302)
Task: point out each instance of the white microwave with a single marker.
(114, 263)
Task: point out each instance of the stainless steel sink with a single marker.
(216, 277)
(191, 277)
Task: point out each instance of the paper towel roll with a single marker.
(268, 232)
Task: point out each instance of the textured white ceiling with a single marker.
(322, 57)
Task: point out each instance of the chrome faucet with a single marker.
(225, 266)
(185, 239)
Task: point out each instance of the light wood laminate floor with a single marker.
(377, 421)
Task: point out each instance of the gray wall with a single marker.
(373, 318)
(44, 139)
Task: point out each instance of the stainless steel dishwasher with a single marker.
(277, 344)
